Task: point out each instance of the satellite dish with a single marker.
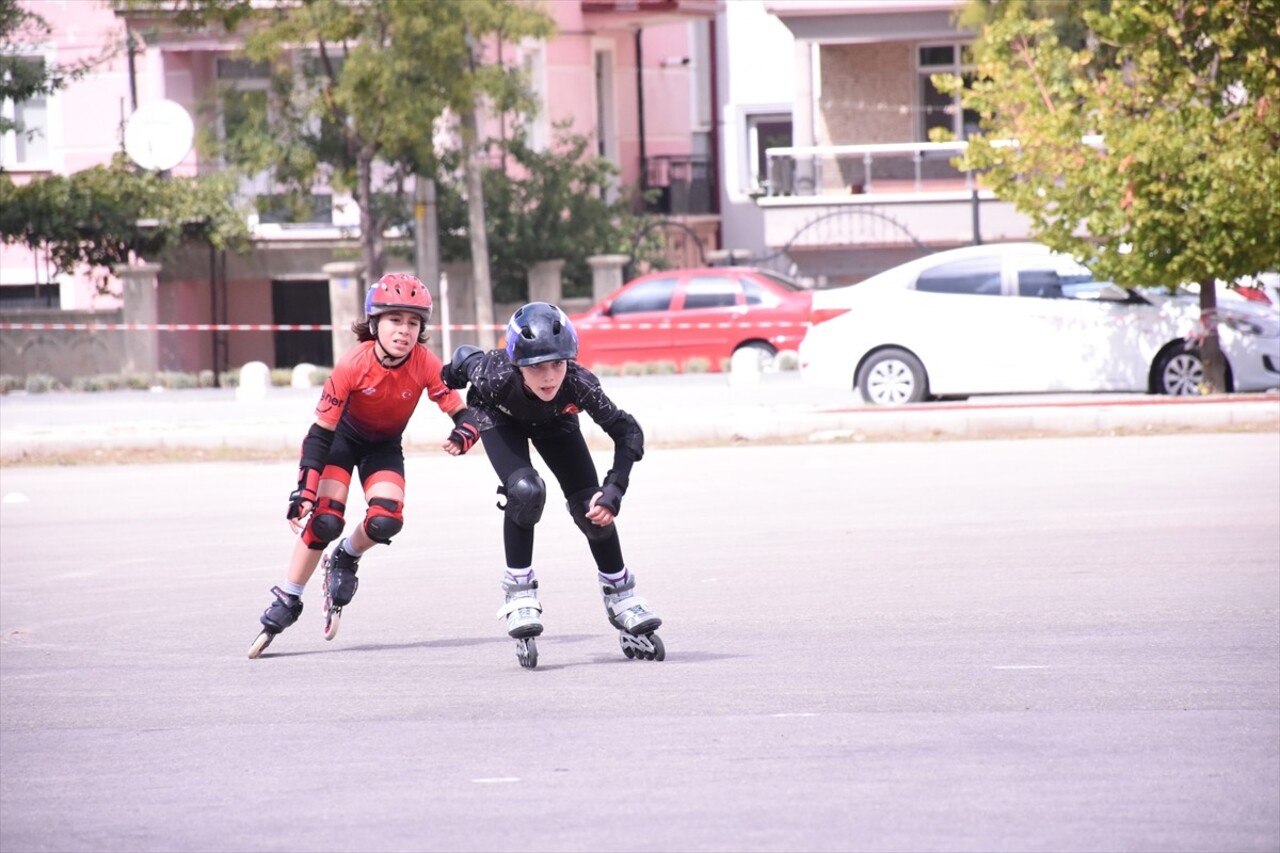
(159, 135)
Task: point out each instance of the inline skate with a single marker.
(635, 621)
(340, 584)
(280, 614)
(523, 613)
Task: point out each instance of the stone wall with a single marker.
(62, 354)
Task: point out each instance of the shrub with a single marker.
(100, 382)
(654, 368)
(39, 383)
(634, 368)
(137, 381)
(281, 377)
(9, 382)
(697, 365)
(174, 380)
(320, 375)
(229, 379)
(205, 379)
(787, 359)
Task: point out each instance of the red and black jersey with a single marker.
(374, 403)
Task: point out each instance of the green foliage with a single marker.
(357, 90)
(109, 215)
(553, 204)
(1186, 99)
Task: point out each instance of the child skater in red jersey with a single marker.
(360, 421)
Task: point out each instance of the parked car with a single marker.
(706, 313)
(1018, 318)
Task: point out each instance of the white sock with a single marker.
(518, 576)
(349, 547)
(617, 578)
(293, 588)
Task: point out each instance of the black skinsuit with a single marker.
(510, 418)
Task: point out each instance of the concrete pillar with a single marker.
(606, 274)
(141, 348)
(346, 303)
(803, 119)
(545, 282)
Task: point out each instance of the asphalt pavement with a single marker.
(1060, 644)
(673, 410)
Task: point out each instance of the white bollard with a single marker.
(744, 368)
(301, 376)
(255, 378)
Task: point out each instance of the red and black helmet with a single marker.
(399, 291)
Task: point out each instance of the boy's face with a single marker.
(398, 332)
(545, 379)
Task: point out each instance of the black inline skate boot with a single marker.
(340, 584)
(280, 614)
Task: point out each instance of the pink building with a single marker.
(636, 75)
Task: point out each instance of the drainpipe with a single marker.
(644, 170)
(713, 168)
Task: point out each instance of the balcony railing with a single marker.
(856, 169)
(683, 184)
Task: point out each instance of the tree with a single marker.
(554, 204)
(23, 77)
(110, 215)
(357, 92)
(1144, 136)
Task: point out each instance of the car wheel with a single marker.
(763, 354)
(892, 377)
(1180, 372)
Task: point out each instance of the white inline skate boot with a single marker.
(635, 621)
(523, 613)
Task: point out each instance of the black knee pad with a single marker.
(325, 525)
(526, 496)
(384, 519)
(577, 506)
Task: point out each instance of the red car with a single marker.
(707, 313)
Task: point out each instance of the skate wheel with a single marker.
(659, 650)
(263, 640)
(331, 618)
(627, 648)
(527, 652)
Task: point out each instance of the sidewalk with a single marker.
(673, 410)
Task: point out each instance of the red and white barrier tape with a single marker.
(319, 327)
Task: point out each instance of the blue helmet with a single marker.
(540, 332)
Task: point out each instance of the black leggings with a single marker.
(507, 446)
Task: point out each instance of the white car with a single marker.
(1018, 318)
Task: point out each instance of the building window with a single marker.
(764, 131)
(936, 108)
(245, 105)
(28, 143)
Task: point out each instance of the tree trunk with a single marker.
(370, 225)
(480, 281)
(1215, 367)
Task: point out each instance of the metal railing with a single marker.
(827, 169)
